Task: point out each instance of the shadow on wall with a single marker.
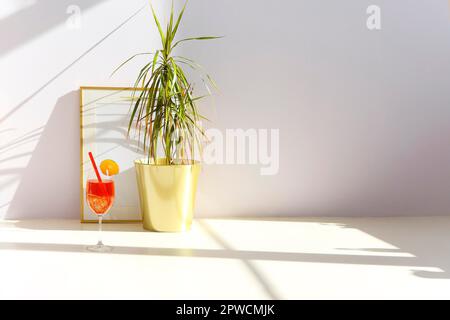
(55, 77)
(50, 185)
(33, 192)
(42, 185)
(27, 23)
(14, 173)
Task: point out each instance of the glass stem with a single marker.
(100, 243)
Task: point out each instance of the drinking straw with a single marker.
(97, 173)
(95, 168)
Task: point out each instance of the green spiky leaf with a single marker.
(163, 108)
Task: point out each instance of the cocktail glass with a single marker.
(100, 198)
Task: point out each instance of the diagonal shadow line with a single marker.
(15, 146)
(246, 256)
(45, 85)
(99, 99)
(36, 25)
(24, 140)
(228, 254)
(253, 269)
(23, 137)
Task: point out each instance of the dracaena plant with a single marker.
(164, 110)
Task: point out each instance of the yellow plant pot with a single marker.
(167, 194)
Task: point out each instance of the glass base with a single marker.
(99, 247)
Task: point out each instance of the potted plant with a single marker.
(166, 118)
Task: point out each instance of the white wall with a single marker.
(364, 116)
(43, 63)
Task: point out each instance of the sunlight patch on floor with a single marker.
(302, 237)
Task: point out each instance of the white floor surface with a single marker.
(305, 258)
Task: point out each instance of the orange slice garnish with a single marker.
(109, 167)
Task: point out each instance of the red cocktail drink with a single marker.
(100, 195)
